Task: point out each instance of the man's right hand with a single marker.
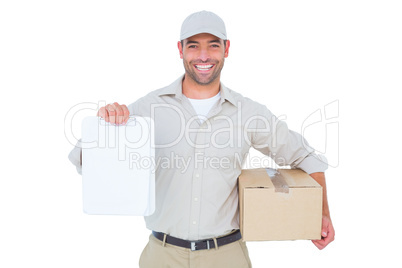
(114, 113)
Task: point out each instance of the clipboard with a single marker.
(118, 167)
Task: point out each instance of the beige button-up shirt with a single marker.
(197, 164)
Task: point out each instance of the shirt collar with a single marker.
(176, 89)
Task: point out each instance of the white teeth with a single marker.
(203, 67)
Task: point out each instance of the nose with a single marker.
(204, 55)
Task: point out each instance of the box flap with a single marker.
(297, 178)
(259, 178)
(255, 178)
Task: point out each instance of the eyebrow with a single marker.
(211, 41)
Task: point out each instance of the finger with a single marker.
(103, 113)
(324, 231)
(318, 244)
(126, 113)
(324, 241)
(112, 113)
(119, 113)
(330, 236)
(331, 232)
(321, 243)
(328, 231)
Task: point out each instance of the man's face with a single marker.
(203, 57)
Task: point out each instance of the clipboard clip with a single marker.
(130, 122)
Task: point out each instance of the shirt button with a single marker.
(194, 222)
(195, 199)
(197, 175)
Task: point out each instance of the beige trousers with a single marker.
(157, 255)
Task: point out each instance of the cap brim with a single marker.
(205, 30)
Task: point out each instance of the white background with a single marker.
(293, 56)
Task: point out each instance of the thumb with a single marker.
(324, 233)
(325, 228)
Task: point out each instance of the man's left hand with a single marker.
(327, 233)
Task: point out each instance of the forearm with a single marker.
(320, 178)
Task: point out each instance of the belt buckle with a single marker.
(193, 246)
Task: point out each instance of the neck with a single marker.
(193, 90)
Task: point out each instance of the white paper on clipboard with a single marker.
(118, 169)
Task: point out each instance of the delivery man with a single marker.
(203, 131)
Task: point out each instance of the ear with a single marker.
(180, 49)
(227, 48)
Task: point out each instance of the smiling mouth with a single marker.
(204, 67)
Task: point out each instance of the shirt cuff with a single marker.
(314, 163)
(75, 157)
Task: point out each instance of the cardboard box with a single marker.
(283, 204)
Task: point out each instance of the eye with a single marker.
(192, 46)
(215, 45)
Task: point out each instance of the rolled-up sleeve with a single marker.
(75, 156)
(286, 147)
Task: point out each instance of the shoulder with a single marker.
(243, 102)
(153, 97)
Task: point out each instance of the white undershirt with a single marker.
(203, 106)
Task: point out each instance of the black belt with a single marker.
(200, 244)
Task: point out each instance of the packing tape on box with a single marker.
(278, 180)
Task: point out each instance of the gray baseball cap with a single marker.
(203, 22)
